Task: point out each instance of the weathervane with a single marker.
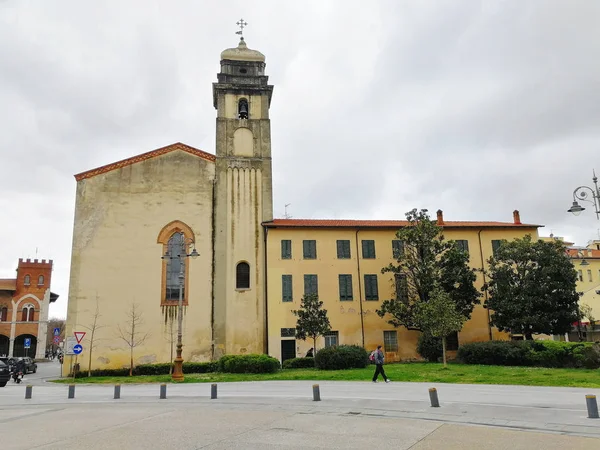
(240, 23)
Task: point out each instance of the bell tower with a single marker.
(243, 200)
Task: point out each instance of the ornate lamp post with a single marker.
(185, 245)
(582, 193)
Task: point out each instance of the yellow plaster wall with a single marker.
(117, 260)
(587, 286)
(345, 316)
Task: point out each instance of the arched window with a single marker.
(3, 314)
(27, 280)
(27, 313)
(41, 280)
(243, 109)
(242, 276)
(175, 267)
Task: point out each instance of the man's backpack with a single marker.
(372, 357)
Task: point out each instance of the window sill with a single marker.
(242, 289)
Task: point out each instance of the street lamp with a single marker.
(185, 245)
(582, 193)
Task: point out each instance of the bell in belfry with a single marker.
(243, 109)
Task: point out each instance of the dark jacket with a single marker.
(378, 357)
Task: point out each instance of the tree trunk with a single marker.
(444, 351)
(90, 359)
(529, 336)
(131, 363)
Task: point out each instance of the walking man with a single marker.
(378, 358)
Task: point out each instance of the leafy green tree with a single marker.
(532, 288)
(423, 261)
(312, 319)
(439, 317)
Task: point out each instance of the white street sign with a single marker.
(69, 344)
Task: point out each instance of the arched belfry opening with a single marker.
(243, 109)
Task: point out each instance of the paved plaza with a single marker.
(281, 414)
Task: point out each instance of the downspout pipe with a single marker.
(489, 320)
(266, 272)
(360, 301)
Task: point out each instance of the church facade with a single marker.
(251, 270)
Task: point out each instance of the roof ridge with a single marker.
(143, 157)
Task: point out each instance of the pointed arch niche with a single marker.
(169, 240)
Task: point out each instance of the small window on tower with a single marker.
(41, 280)
(243, 109)
(242, 278)
(27, 280)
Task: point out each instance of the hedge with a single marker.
(150, 369)
(531, 353)
(342, 357)
(299, 363)
(430, 347)
(248, 364)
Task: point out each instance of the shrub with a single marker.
(299, 363)
(531, 353)
(103, 373)
(248, 364)
(199, 367)
(429, 347)
(341, 357)
(151, 369)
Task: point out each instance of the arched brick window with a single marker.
(27, 313)
(242, 276)
(170, 237)
(27, 280)
(3, 314)
(41, 280)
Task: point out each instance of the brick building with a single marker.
(24, 305)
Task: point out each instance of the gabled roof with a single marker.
(143, 157)
(335, 223)
(8, 284)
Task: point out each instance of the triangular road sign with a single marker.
(79, 336)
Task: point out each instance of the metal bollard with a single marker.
(28, 391)
(213, 391)
(592, 406)
(163, 391)
(316, 393)
(117, 391)
(433, 397)
(71, 391)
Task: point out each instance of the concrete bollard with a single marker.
(117, 391)
(592, 406)
(433, 397)
(163, 391)
(316, 393)
(71, 391)
(28, 391)
(213, 391)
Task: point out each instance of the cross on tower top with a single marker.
(240, 23)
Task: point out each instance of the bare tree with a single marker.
(52, 324)
(92, 329)
(131, 334)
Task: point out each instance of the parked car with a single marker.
(4, 374)
(30, 364)
(8, 361)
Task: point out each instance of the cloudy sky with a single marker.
(474, 107)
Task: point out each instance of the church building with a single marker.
(242, 271)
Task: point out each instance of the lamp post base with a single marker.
(177, 374)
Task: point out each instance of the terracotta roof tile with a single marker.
(143, 157)
(585, 253)
(8, 284)
(341, 223)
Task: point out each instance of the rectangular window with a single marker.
(401, 286)
(288, 332)
(309, 249)
(368, 249)
(286, 288)
(345, 288)
(463, 245)
(371, 290)
(331, 338)
(452, 341)
(397, 248)
(580, 275)
(286, 249)
(343, 249)
(311, 285)
(390, 341)
(589, 275)
(495, 246)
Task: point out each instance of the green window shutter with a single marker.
(345, 283)
(309, 248)
(286, 249)
(368, 249)
(343, 249)
(371, 288)
(397, 248)
(311, 285)
(495, 246)
(463, 245)
(286, 287)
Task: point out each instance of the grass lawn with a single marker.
(424, 372)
